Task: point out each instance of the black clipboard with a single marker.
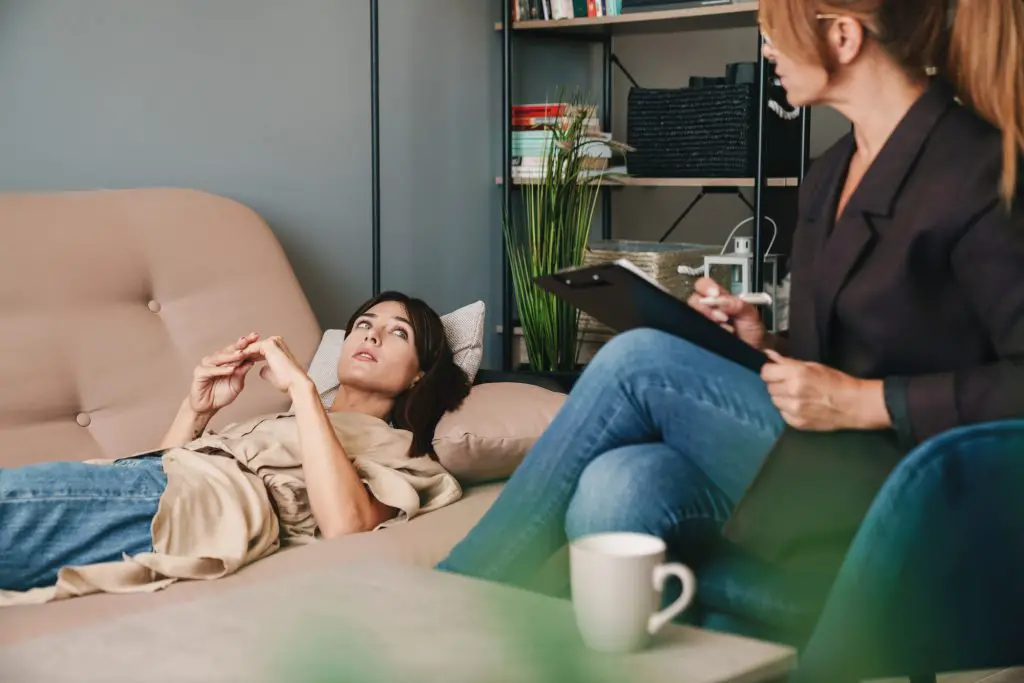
(623, 297)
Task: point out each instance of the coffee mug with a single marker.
(616, 581)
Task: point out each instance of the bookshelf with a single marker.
(601, 32)
(630, 181)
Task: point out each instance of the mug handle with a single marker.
(683, 573)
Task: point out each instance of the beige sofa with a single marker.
(107, 301)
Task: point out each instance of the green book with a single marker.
(579, 8)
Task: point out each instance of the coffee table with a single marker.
(370, 623)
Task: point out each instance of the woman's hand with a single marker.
(814, 397)
(282, 370)
(219, 378)
(730, 312)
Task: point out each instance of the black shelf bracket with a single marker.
(608, 61)
(765, 77)
(375, 141)
(704, 192)
(508, 297)
(622, 67)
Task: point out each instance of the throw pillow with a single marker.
(463, 327)
(490, 434)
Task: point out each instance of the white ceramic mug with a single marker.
(617, 582)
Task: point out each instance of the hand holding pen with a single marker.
(736, 314)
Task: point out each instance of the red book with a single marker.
(531, 110)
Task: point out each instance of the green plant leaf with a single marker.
(549, 232)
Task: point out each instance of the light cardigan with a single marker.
(237, 496)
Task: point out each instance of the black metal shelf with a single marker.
(636, 181)
(724, 15)
(602, 30)
(375, 141)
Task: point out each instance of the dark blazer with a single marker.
(919, 283)
(921, 280)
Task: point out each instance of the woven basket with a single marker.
(708, 131)
(660, 261)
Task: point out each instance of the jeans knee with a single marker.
(625, 346)
(609, 497)
(637, 352)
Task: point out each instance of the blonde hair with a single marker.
(982, 55)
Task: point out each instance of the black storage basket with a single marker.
(708, 132)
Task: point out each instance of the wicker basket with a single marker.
(660, 261)
(708, 132)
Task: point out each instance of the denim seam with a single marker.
(690, 518)
(698, 396)
(55, 498)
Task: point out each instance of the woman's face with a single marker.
(805, 84)
(379, 355)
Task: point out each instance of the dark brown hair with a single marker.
(982, 55)
(443, 386)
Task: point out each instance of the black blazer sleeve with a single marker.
(987, 262)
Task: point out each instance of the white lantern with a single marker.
(740, 267)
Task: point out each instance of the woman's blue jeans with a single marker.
(69, 513)
(658, 436)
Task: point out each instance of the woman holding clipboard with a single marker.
(907, 312)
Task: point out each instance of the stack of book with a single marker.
(534, 133)
(523, 10)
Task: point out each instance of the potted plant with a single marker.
(550, 231)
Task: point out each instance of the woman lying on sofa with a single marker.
(207, 503)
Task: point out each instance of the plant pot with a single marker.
(562, 380)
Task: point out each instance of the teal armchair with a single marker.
(933, 582)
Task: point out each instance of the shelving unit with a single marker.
(602, 31)
(631, 181)
(734, 14)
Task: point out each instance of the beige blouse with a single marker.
(237, 496)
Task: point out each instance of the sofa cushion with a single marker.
(464, 328)
(108, 299)
(490, 434)
(422, 541)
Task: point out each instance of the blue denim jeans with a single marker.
(61, 514)
(657, 436)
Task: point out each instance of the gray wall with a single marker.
(268, 102)
(258, 100)
(440, 146)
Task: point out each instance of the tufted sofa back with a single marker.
(108, 299)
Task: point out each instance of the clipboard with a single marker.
(623, 297)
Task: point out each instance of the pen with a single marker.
(755, 298)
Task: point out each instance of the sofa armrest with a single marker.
(933, 580)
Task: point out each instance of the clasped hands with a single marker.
(220, 377)
(810, 396)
